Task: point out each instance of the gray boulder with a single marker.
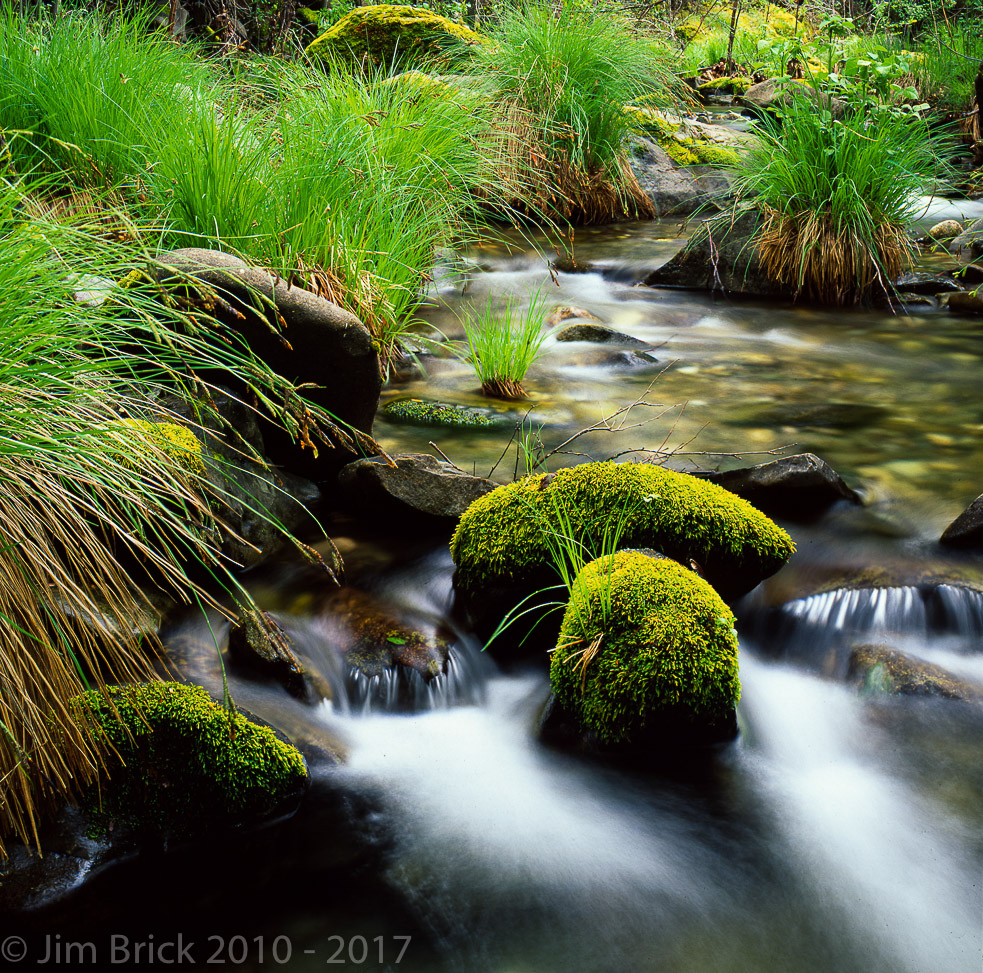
(965, 302)
(721, 257)
(799, 488)
(970, 242)
(418, 490)
(598, 334)
(776, 93)
(674, 190)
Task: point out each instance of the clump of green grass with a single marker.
(562, 80)
(837, 195)
(503, 344)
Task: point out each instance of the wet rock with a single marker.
(971, 275)
(823, 415)
(570, 265)
(967, 529)
(881, 669)
(260, 645)
(799, 488)
(970, 241)
(946, 230)
(296, 333)
(719, 257)
(776, 93)
(623, 359)
(674, 190)
(426, 412)
(918, 282)
(598, 334)
(418, 490)
(373, 638)
(965, 302)
(564, 312)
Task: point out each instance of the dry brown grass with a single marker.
(826, 265)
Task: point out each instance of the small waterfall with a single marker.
(886, 862)
(822, 628)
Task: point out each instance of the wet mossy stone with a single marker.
(647, 655)
(881, 669)
(178, 763)
(503, 538)
(424, 412)
(387, 34)
(175, 441)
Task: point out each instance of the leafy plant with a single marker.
(504, 342)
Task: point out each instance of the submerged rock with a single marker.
(967, 529)
(799, 488)
(646, 660)
(965, 302)
(419, 490)
(881, 669)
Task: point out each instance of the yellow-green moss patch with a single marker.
(683, 149)
(503, 537)
(175, 441)
(385, 34)
(642, 637)
(179, 762)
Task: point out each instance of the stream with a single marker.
(842, 832)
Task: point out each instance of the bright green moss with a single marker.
(502, 537)
(175, 441)
(682, 149)
(420, 412)
(184, 762)
(666, 644)
(729, 85)
(384, 33)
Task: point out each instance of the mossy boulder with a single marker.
(647, 656)
(384, 35)
(685, 144)
(425, 412)
(178, 763)
(504, 538)
(175, 441)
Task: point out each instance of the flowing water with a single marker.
(841, 832)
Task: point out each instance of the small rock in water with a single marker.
(564, 312)
(261, 644)
(946, 230)
(800, 487)
(965, 302)
(967, 529)
(918, 282)
(570, 265)
(879, 668)
(971, 275)
(598, 334)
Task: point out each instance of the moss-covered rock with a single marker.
(385, 34)
(179, 763)
(647, 654)
(504, 537)
(679, 141)
(175, 441)
(425, 412)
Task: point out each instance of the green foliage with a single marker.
(420, 412)
(180, 763)
(386, 36)
(504, 342)
(500, 539)
(642, 636)
(837, 194)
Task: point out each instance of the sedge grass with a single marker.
(562, 80)
(503, 343)
(91, 508)
(837, 195)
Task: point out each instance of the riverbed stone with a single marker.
(258, 643)
(920, 282)
(881, 669)
(776, 93)
(965, 302)
(967, 529)
(799, 488)
(598, 334)
(720, 257)
(675, 190)
(969, 243)
(415, 489)
(946, 230)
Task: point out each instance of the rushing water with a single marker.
(839, 833)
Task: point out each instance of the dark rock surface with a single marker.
(967, 529)
(598, 334)
(799, 488)
(879, 668)
(674, 190)
(969, 243)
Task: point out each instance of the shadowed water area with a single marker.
(840, 832)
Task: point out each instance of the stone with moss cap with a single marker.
(384, 34)
(175, 441)
(185, 764)
(502, 538)
(647, 655)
